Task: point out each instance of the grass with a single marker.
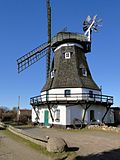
(38, 148)
(23, 126)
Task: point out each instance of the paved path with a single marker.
(13, 150)
(91, 144)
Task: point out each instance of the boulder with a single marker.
(56, 145)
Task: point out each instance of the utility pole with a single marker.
(18, 102)
(18, 109)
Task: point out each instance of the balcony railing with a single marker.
(54, 98)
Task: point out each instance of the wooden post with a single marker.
(50, 112)
(107, 109)
(87, 106)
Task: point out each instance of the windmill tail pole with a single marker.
(49, 36)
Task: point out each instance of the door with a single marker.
(92, 116)
(46, 117)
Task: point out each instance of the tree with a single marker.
(7, 114)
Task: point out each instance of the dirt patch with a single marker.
(91, 143)
(88, 144)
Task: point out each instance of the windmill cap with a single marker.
(65, 37)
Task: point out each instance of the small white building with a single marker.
(70, 96)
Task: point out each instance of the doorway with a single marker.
(46, 113)
(92, 115)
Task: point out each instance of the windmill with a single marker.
(43, 50)
(69, 81)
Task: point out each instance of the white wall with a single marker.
(40, 112)
(43, 96)
(67, 114)
(86, 90)
(62, 109)
(78, 112)
(33, 116)
(76, 94)
(110, 116)
(99, 112)
(73, 112)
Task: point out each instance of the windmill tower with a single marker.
(70, 96)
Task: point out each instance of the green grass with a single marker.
(37, 147)
(23, 126)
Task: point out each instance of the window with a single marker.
(91, 94)
(52, 74)
(67, 93)
(92, 115)
(84, 72)
(67, 55)
(57, 115)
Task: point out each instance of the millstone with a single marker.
(56, 145)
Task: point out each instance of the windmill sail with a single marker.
(49, 37)
(32, 57)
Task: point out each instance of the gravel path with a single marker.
(13, 150)
(91, 144)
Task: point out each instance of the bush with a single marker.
(24, 119)
(7, 116)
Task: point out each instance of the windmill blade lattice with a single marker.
(92, 23)
(32, 57)
(86, 23)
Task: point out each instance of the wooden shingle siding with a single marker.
(67, 71)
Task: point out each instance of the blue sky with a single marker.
(23, 26)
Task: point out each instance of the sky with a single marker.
(23, 27)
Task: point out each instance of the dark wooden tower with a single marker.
(69, 68)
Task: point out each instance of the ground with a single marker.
(12, 150)
(88, 144)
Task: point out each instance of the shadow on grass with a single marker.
(108, 155)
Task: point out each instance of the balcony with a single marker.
(70, 99)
